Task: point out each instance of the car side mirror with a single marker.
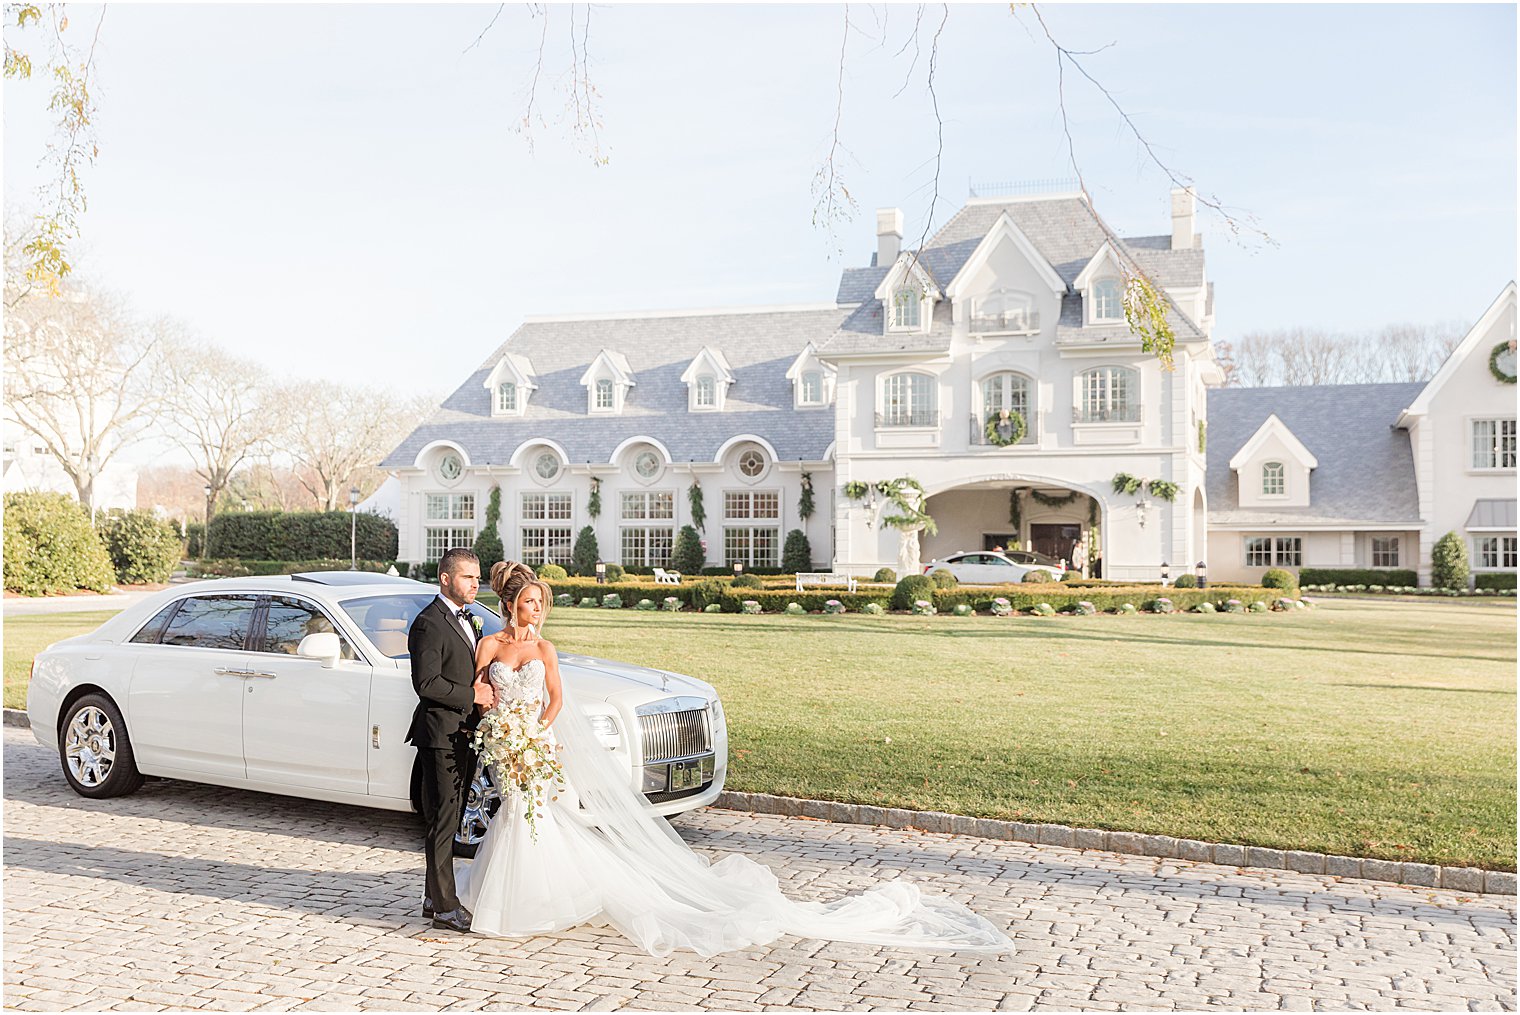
(324, 647)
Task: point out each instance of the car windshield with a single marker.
(386, 619)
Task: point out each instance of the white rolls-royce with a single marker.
(301, 684)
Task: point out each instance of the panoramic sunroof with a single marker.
(351, 578)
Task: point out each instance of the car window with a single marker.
(993, 558)
(385, 620)
(289, 620)
(150, 631)
(211, 622)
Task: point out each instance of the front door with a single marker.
(1055, 541)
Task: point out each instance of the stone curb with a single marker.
(1462, 879)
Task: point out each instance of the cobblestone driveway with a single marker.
(191, 897)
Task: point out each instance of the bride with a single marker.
(601, 854)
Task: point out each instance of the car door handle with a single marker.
(260, 673)
(228, 671)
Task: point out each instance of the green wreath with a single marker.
(1493, 364)
(1016, 419)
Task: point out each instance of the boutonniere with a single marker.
(477, 623)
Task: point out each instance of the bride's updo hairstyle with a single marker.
(509, 580)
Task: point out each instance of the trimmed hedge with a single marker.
(143, 548)
(1495, 580)
(232, 568)
(1357, 576)
(299, 535)
(50, 547)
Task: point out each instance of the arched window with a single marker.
(906, 305)
(908, 400)
(707, 391)
(1273, 480)
(1004, 310)
(604, 393)
(1106, 303)
(1110, 395)
(1007, 391)
(506, 397)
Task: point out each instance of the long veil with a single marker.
(664, 896)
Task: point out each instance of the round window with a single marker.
(647, 464)
(450, 467)
(751, 463)
(546, 465)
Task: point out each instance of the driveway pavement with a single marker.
(184, 896)
(26, 606)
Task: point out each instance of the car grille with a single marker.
(671, 735)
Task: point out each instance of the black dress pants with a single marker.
(446, 776)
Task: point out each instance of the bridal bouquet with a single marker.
(512, 740)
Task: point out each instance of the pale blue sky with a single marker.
(336, 191)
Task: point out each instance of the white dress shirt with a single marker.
(465, 625)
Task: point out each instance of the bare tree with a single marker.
(1306, 355)
(81, 374)
(217, 410)
(1255, 360)
(337, 434)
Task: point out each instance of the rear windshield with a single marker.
(385, 620)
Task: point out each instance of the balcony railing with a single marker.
(1031, 432)
(1014, 322)
(912, 417)
(1113, 414)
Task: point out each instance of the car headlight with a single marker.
(604, 726)
(716, 706)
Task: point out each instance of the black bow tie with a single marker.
(464, 615)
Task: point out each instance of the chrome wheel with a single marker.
(90, 748)
(479, 807)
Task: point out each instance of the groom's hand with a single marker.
(485, 694)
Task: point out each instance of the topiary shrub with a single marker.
(583, 557)
(1277, 578)
(747, 581)
(488, 543)
(796, 554)
(548, 572)
(943, 579)
(687, 556)
(615, 572)
(707, 592)
(50, 547)
(1185, 581)
(910, 590)
(144, 550)
(1448, 563)
(886, 575)
(1038, 575)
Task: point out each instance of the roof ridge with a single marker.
(644, 315)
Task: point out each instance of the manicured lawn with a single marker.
(26, 636)
(1364, 728)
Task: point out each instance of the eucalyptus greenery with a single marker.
(1145, 313)
(1164, 489)
(698, 512)
(906, 494)
(1125, 483)
(856, 490)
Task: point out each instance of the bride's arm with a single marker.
(484, 653)
(551, 683)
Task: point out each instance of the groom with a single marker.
(442, 645)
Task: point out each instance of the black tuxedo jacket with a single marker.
(443, 672)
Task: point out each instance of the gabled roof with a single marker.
(609, 361)
(808, 355)
(1002, 230)
(1366, 467)
(1105, 256)
(1476, 334)
(514, 367)
(1274, 427)
(713, 360)
(905, 265)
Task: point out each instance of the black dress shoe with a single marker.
(427, 909)
(454, 919)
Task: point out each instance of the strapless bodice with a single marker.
(526, 682)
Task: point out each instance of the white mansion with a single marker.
(994, 368)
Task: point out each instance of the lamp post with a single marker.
(1165, 574)
(601, 572)
(738, 568)
(353, 529)
(1202, 571)
(206, 536)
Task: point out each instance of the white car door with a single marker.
(1003, 572)
(184, 705)
(304, 724)
(971, 570)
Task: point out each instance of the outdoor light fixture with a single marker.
(353, 529)
(1165, 573)
(1142, 508)
(738, 568)
(601, 572)
(1202, 571)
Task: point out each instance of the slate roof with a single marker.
(759, 347)
(1366, 468)
(1065, 230)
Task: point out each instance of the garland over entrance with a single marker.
(1053, 502)
(1005, 427)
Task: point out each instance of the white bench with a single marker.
(665, 577)
(822, 578)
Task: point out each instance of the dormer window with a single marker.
(604, 394)
(907, 305)
(707, 378)
(707, 392)
(506, 398)
(1274, 481)
(607, 381)
(812, 379)
(1107, 304)
(510, 384)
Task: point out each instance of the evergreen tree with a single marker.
(796, 555)
(687, 556)
(488, 544)
(585, 554)
(1448, 563)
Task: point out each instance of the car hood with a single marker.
(603, 678)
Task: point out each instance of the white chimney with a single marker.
(1184, 204)
(889, 231)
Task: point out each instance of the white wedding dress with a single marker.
(603, 855)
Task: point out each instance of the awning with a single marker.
(1492, 514)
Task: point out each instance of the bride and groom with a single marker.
(597, 852)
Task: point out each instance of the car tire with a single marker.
(95, 751)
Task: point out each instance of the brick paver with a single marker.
(190, 897)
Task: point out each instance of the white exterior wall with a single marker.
(1321, 548)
